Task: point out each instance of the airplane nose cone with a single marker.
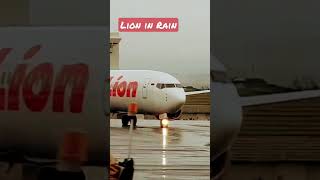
(182, 99)
(176, 99)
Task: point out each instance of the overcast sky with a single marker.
(184, 54)
(274, 40)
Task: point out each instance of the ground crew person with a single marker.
(115, 169)
(72, 154)
(121, 170)
(124, 170)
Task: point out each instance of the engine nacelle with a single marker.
(219, 166)
(175, 115)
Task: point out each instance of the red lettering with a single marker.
(115, 86)
(121, 90)
(3, 53)
(114, 89)
(36, 86)
(133, 86)
(14, 89)
(78, 76)
(43, 74)
(32, 52)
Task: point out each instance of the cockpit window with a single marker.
(162, 86)
(179, 86)
(170, 86)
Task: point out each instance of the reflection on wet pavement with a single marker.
(178, 152)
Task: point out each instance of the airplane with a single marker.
(51, 83)
(155, 92)
(226, 115)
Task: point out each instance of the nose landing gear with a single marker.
(164, 123)
(164, 120)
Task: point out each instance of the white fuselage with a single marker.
(154, 92)
(226, 111)
(51, 82)
(226, 117)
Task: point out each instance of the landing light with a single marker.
(165, 122)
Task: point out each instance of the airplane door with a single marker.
(145, 88)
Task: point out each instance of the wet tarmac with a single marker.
(178, 152)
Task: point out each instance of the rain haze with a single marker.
(184, 54)
(273, 40)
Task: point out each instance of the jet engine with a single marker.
(175, 115)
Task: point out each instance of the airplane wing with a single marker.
(280, 97)
(197, 92)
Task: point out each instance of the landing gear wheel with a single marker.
(164, 123)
